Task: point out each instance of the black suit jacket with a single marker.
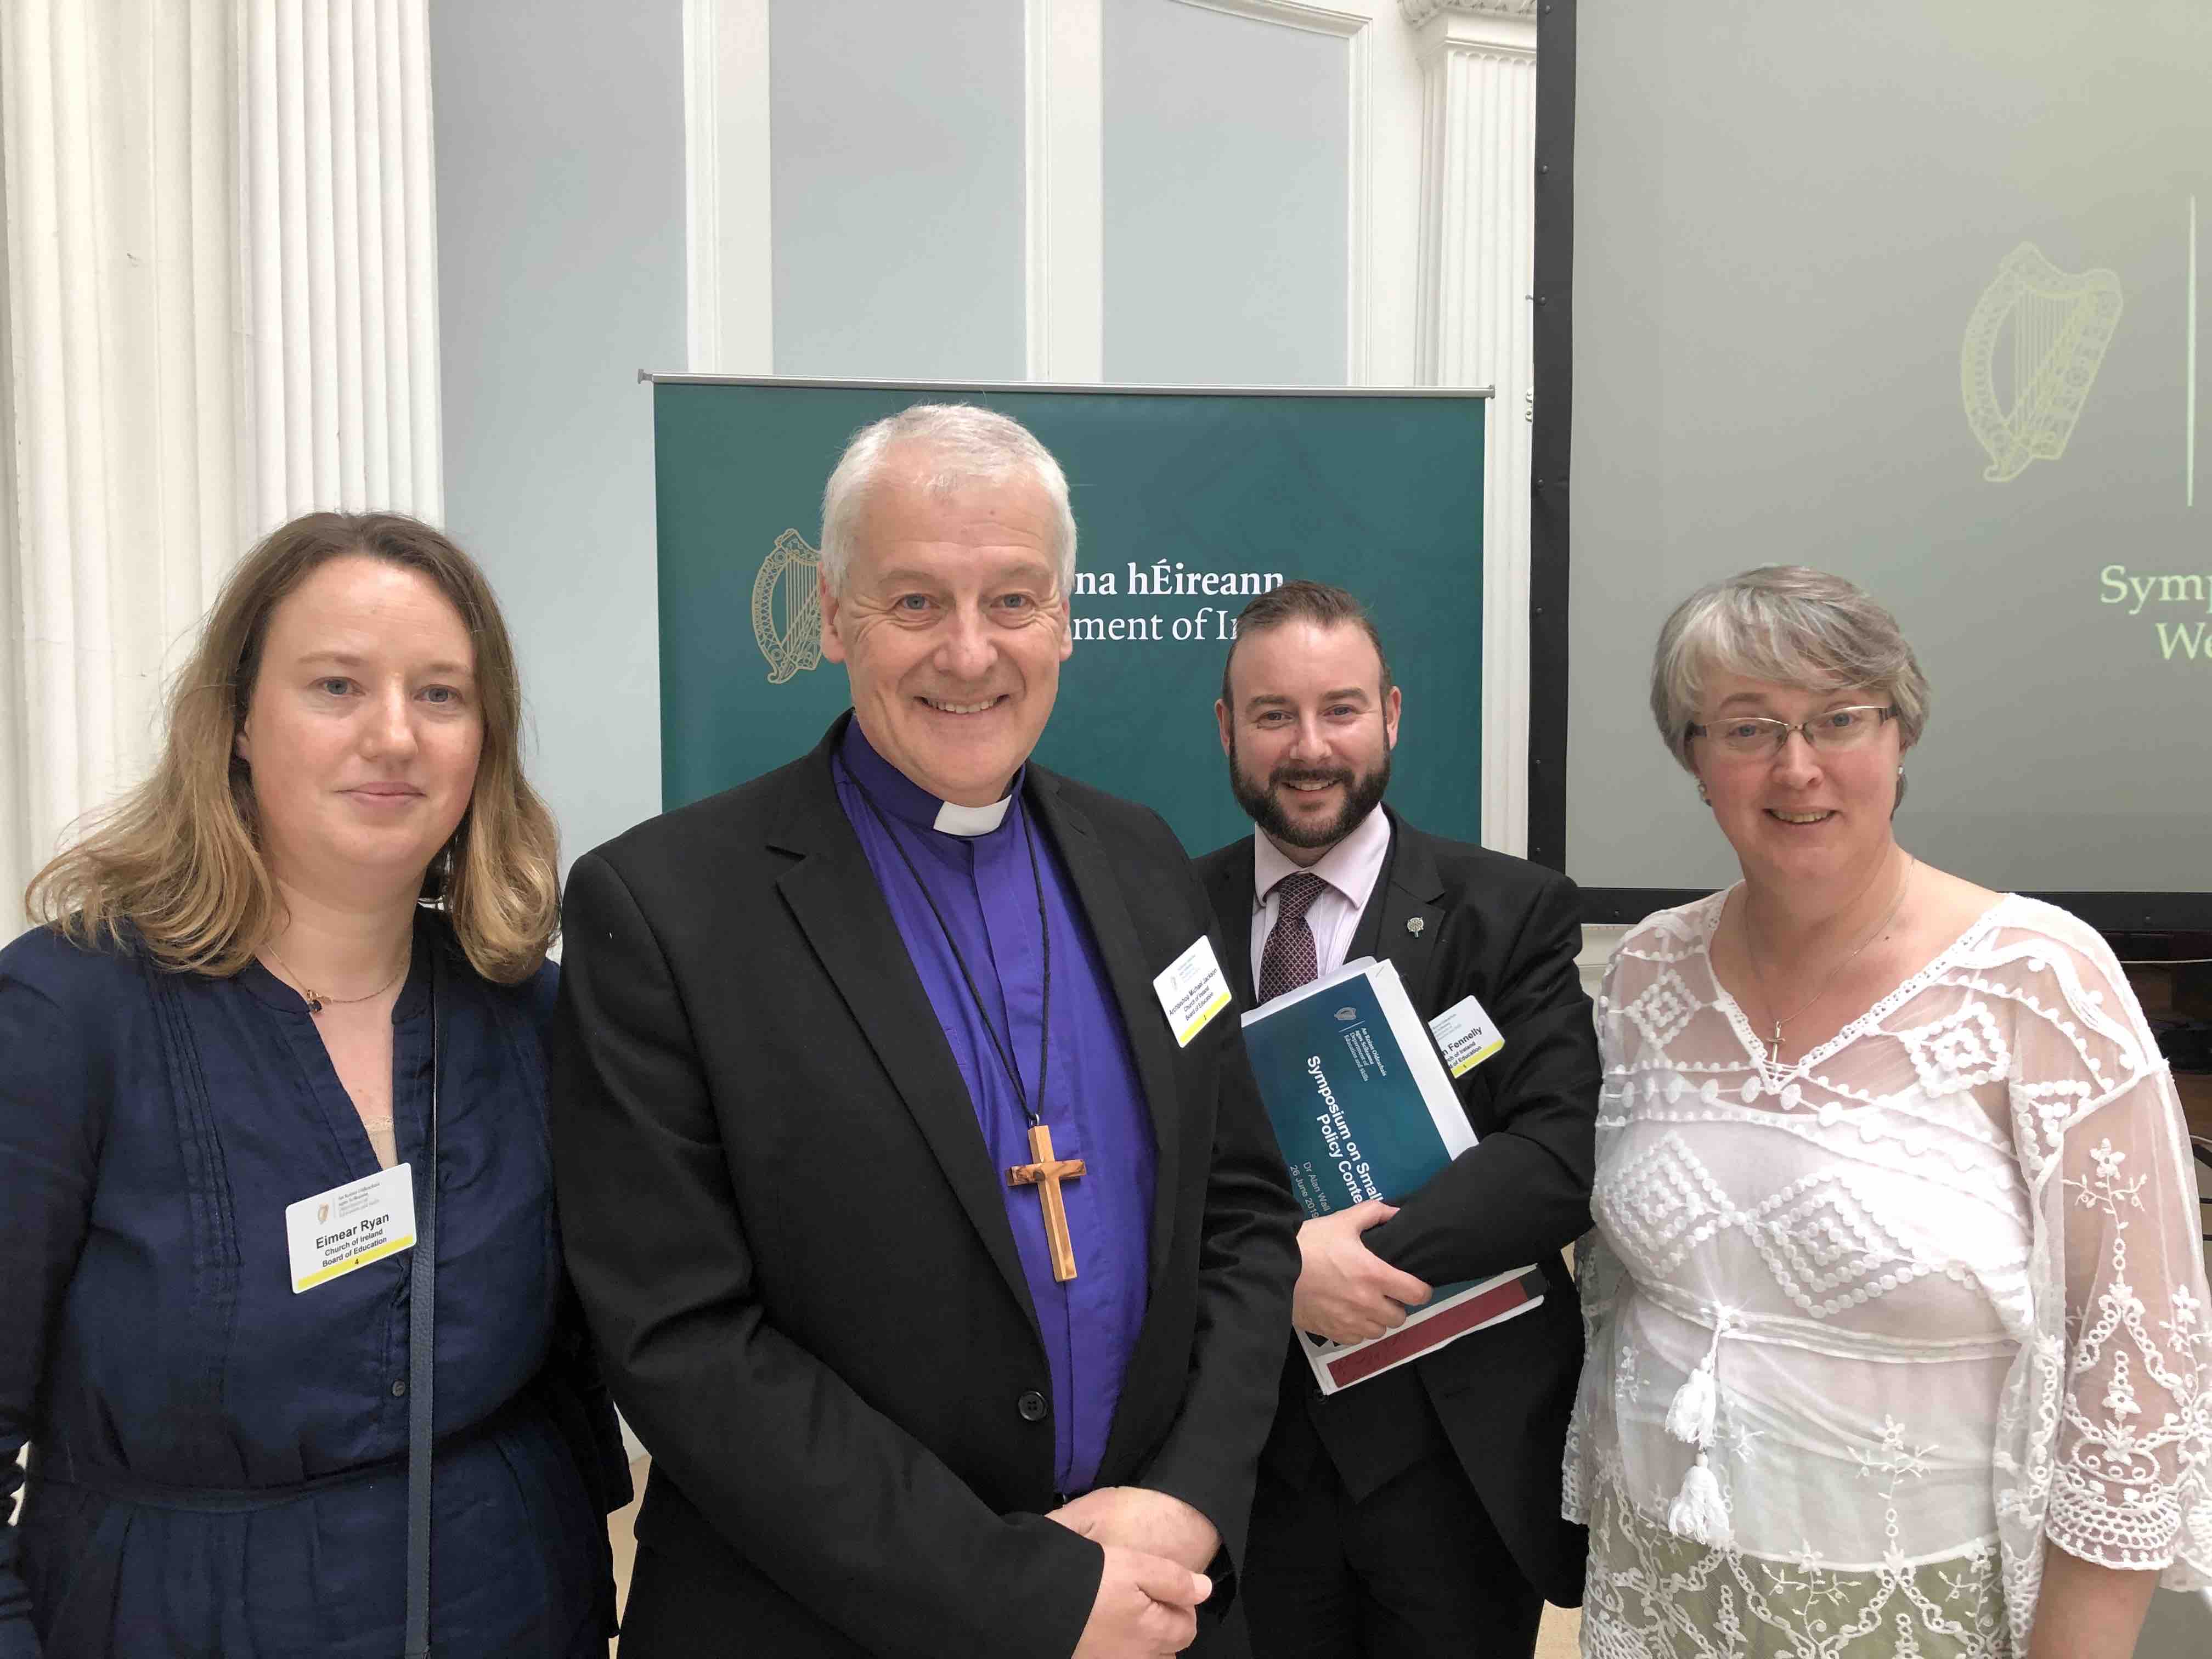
(792, 1246)
(1506, 933)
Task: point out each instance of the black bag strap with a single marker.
(422, 1320)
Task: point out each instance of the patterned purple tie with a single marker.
(1289, 959)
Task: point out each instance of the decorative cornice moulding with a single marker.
(1305, 15)
(1418, 12)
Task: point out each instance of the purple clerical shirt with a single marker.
(1092, 1100)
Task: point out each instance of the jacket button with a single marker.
(1031, 1406)
(400, 1387)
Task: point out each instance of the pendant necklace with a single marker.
(1045, 1172)
(1774, 1048)
(317, 1001)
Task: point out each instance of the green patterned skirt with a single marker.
(1653, 1593)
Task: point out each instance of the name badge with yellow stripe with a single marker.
(350, 1226)
(1467, 1035)
(1192, 991)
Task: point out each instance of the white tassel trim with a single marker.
(1689, 1418)
(1690, 1414)
(1699, 1512)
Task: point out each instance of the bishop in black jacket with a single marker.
(803, 1028)
(1415, 1513)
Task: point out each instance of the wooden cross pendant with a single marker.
(1045, 1175)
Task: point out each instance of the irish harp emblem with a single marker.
(787, 607)
(2031, 355)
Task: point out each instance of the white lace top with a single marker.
(1943, 1278)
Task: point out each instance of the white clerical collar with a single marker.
(907, 801)
(952, 820)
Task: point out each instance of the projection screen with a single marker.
(1908, 291)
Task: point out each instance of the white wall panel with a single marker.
(560, 203)
(1227, 149)
(729, 248)
(1065, 211)
(897, 155)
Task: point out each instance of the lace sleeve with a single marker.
(1598, 1271)
(1597, 1276)
(2114, 1430)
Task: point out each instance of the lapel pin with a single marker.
(1413, 925)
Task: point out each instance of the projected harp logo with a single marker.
(2031, 352)
(787, 608)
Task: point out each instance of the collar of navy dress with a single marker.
(980, 879)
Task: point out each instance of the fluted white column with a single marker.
(221, 311)
(1477, 267)
(338, 258)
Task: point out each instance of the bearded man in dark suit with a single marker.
(1416, 1513)
(938, 1261)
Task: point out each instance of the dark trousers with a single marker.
(1414, 1570)
(678, 1612)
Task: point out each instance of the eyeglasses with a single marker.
(1833, 729)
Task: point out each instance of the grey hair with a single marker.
(1790, 625)
(966, 445)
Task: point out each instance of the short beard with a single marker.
(1258, 800)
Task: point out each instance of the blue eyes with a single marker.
(438, 696)
(915, 604)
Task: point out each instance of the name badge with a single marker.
(1192, 991)
(1466, 1036)
(350, 1226)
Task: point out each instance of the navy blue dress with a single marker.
(172, 1387)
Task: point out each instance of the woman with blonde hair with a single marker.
(283, 1299)
(1896, 1316)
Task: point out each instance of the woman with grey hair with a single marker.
(1897, 1337)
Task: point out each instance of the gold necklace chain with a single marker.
(317, 1001)
(1750, 954)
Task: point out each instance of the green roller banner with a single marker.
(1187, 504)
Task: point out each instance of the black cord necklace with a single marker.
(1004, 1050)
